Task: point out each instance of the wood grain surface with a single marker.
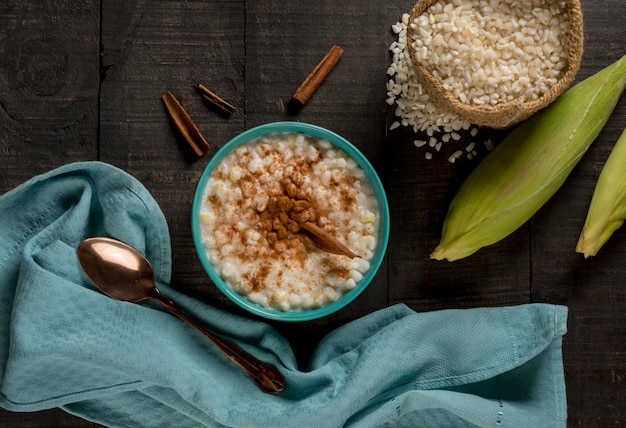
(82, 80)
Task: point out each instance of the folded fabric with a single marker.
(64, 344)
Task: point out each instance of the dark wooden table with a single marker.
(82, 80)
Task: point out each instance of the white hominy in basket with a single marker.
(493, 51)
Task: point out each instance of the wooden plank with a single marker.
(421, 191)
(53, 418)
(150, 48)
(283, 45)
(593, 351)
(49, 89)
(495, 275)
(49, 76)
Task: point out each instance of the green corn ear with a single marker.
(607, 210)
(529, 165)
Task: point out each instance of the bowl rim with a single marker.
(372, 177)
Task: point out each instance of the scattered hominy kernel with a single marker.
(414, 108)
(397, 28)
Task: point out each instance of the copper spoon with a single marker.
(123, 273)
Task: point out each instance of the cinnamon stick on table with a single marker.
(222, 105)
(183, 123)
(317, 76)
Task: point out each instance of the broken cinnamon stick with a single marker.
(183, 123)
(317, 76)
(223, 106)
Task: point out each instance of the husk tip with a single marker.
(585, 247)
(440, 253)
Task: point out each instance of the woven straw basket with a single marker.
(505, 114)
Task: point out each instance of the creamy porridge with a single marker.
(254, 204)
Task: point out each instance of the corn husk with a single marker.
(529, 165)
(607, 210)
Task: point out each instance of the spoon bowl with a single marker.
(123, 273)
(118, 270)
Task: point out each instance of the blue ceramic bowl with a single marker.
(383, 233)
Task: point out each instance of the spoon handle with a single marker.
(267, 377)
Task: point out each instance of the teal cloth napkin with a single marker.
(64, 344)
